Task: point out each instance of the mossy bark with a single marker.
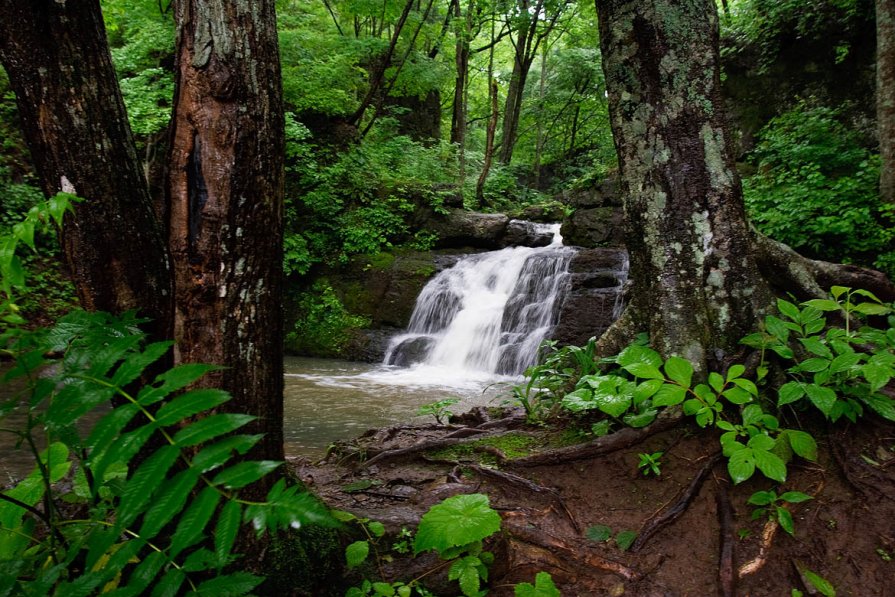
(697, 286)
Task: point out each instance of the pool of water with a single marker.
(328, 400)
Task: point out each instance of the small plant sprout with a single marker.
(650, 463)
(771, 505)
(440, 410)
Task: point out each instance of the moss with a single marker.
(512, 445)
(307, 563)
(380, 261)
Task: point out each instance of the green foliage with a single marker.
(440, 409)
(816, 189)
(600, 533)
(650, 463)
(771, 505)
(323, 325)
(456, 523)
(543, 587)
(818, 583)
(148, 96)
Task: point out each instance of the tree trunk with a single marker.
(698, 289)
(461, 61)
(225, 193)
(885, 96)
(489, 144)
(73, 117)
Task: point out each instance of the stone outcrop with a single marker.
(459, 228)
(597, 219)
(593, 300)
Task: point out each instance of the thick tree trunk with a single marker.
(225, 192)
(58, 61)
(885, 96)
(461, 61)
(698, 288)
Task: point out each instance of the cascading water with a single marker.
(488, 313)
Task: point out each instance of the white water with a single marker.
(487, 315)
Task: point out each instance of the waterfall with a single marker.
(489, 312)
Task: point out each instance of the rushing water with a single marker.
(488, 313)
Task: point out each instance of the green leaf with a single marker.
(543, 587)
(377, 529)
(466, 570)
(814, 365)
(884, 406)
(189, 404)
(823, 304)
(737, 395)
(816, 347)
(679, 370)
(598, 533)
(356, 553)
(642, 419)
(752, 415)
(844, 362)
(243, 473)
(646, 390)
(134, 364)
(644, 371)
(229, 585)
(788, 309)
(760, 442)
(215, 455)
(669, 395)
(871, 309)
(169, 502)
(580, 400)
(172, 380)
(716, 382)
(820, 583)
(741, 465)
(789, 392)
(795, 497)
(170, 584)
(192, 524)
(210, 427)
(877, 375)
(777, 328)
(640, 354)
(785, 520)
(762, 498)
(802, 444)
(612, 404)
(747, 385)
(142, 485)
(770, 465)
(625, 539)
(823, 398)
(225, 531)
(458, 520)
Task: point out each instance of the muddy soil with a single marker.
(695, 532)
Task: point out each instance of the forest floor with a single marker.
(558, 499)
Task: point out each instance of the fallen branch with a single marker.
(624, 438)
(435, 444)
(571, 553)
(670, 514)
(726, 565)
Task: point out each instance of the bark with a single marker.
(697, 285)
(489, 144)
(885, 96)
(225, 194)
(461, 61)
(57, 58)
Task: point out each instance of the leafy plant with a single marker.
(440, 409)
(600, 533)
(543, 587)
(772, 506)
(650, 463)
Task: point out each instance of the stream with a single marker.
(328, 400)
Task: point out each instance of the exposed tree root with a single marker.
(808, 278)
(519, 481)
(620, 333)
(624, 438)
(578, 555)
(670, 514)
(434, 444)
(726, 565)
(864, 487)
(756, 564)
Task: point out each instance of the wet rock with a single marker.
(460, 228)
(594, 227)
(412, 351)
(521, 233)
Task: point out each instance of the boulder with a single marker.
(594, 227)
(460, 228)
(520, 233)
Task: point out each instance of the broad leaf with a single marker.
(356, 553)
(679, 370)
(823, 398)
(189, 404)
(770, 465)
(141, 486)
(226, 530)
(466, 571)
(210, 428)
(191, 527)
(790, 392)
(458, 520)
(168, 503)
(243, 473)
(802, 444)
(229, 585)
(669, 395)
(741, 465)
(543, 587)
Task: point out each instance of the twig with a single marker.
(670, 514)
(726, 565)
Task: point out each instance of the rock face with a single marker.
(460, 228)
(597, 219)
(597, 278)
